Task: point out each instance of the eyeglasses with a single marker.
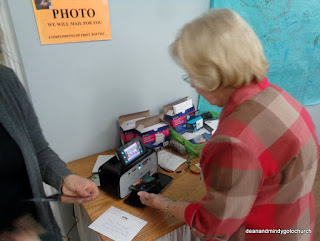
(186, 78)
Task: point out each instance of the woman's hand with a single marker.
(74, 185)
(154, 200)
(175, 209)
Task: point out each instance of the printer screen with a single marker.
(132, 151)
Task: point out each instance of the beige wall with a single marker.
(90, 84)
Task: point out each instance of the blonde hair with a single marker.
(220, 49)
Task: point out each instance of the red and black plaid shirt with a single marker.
(258, 168)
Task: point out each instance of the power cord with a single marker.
(67, 238)
(91, 175)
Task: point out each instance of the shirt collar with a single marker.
(242, 94)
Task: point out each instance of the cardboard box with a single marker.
(190, 146)
(127, 125)
(154, 131)
(175, 114)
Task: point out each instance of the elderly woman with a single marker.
(260, 165)
(26, 162)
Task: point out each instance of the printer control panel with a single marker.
(148, 165)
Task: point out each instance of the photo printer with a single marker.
(132, 161)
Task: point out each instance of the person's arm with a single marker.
(171, 207)
(232, 176)
(74, 185)
(53, 169)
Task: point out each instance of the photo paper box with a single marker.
(127, 125)
(194, 124)
(175, 114)
(154, 131)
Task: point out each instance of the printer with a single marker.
(131, 162)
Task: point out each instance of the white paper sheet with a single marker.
(169, 161)
(118, 225)
(213, 124)
(189, 135)
(182, 107)
(101, 160)
(170, 113)
(160, 138)
(198, 165)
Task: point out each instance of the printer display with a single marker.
(131, 162)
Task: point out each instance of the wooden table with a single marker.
(185, 186)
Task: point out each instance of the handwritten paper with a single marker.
(118, 225)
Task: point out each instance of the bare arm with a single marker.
(175, 209)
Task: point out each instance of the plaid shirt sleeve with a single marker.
(232, 176)
(258, 168)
